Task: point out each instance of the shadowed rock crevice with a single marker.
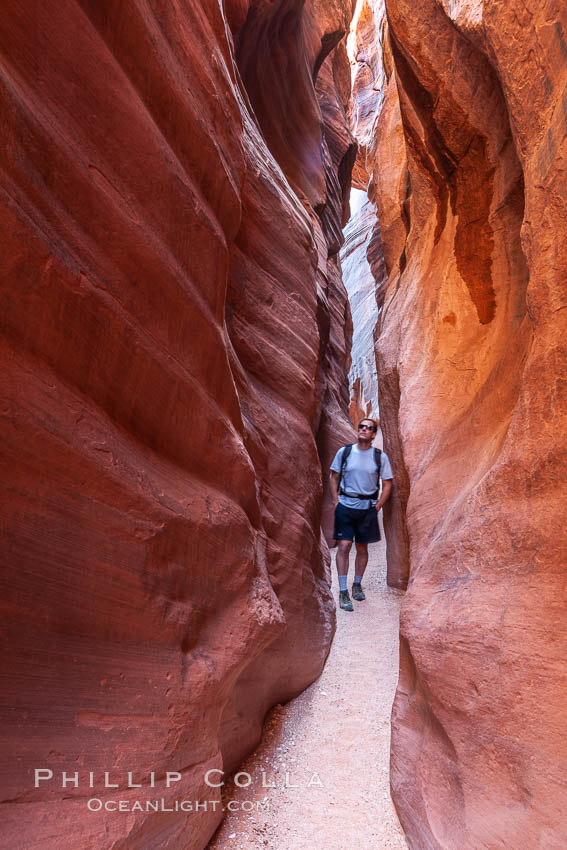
(271, 56)
(424, 140)
(328, 42)
(376, 261)
(474, 242)
(395, 520)
(461, 168)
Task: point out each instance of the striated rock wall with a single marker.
(467, 168)
(361, 287)
(173, 353)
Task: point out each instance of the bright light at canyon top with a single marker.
(357, 196)
(364, 50)
(366, 10)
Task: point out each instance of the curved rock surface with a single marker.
(467, 167)
(174, 352)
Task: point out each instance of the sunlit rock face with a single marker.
(468, 174)
(173, 353)
(365, 51)
(361, 288)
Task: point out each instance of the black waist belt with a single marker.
(361, 496)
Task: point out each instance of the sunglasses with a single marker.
(366, 427)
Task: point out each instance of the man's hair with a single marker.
(368, 419)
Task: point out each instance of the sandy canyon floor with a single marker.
(333, 742)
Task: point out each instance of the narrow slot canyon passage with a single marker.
(336, 732)
(333, 740)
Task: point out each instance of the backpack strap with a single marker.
(346, 451)
(378, 459)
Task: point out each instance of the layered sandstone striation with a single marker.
(174, 352)
(467, 169)
(361, 287)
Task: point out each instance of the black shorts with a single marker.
(353, 524)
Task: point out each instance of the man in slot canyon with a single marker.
(355, 485)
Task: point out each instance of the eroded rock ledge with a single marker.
(466, 165)
(173, 191)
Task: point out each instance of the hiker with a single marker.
(355, 488)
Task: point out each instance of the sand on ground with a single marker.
(332, 741)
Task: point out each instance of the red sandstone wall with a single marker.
(468, 173)
(173, 323)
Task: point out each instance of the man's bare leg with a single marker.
(344, 547)
(343, 551)
(359, 566)
(361, 559)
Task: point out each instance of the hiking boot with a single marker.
(357, 592)
(344, 601)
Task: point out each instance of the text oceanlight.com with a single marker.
(97, 805)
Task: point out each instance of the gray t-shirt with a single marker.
(360, 475)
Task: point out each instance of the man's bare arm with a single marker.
(385, 494)
(334, 479)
